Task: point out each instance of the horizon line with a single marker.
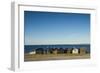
(59, 44)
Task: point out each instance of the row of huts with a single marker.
(59, 51)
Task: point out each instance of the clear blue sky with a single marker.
(56, 28)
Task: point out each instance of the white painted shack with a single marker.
(75, 51)
(32, 52)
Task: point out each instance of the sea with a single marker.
(29, 48)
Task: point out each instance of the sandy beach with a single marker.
(43, 57)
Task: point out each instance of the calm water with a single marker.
(28, 48)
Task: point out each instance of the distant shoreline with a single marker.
(29, 48)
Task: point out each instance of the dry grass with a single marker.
(41, 57)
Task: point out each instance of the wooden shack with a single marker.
(69, 51)
(60, 51)
(55, 51)
(82, 51)
(65, 50)
(39, 51)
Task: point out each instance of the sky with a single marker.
(56, 28)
